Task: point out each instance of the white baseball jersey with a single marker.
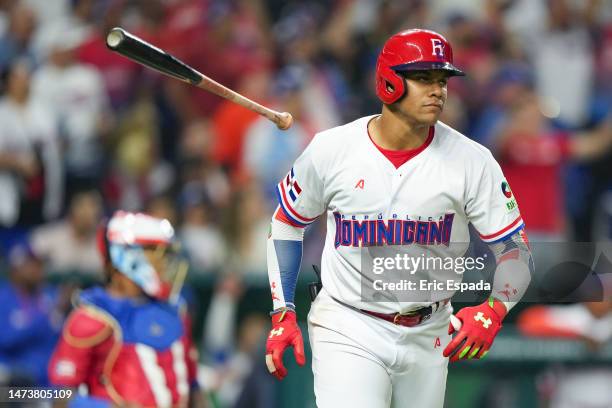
(427, 202)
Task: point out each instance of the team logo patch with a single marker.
(511, 203)
(506, 189)
(292, 187)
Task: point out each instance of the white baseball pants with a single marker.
(361, 361)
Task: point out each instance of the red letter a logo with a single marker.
(437, 343)
(359, 184)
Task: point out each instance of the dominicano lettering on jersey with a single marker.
(394, 231)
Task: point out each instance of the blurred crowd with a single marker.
(85, 131)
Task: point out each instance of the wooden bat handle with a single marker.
(283, 120)
(455, 322)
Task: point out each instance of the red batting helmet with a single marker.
(411, 50)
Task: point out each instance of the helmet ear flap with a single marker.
(390, 86)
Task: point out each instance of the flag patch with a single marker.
(292, 187)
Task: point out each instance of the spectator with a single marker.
(5, 8)
(31, 316)
(119, 73)
(301, 51)
(141, 173)
(199, 234)
(75, 18)
(30, 167)
(70, 244)
(441, 10)
(223, 38)
(530, 149)
(162, 206)
(250, 229)
(220, 332)
(49, 11)
(76, 95)
(232, 370)
(241, 380)
(563, 60)
(232, 121)
(475, 53)
(268, 151)
(198, 167)
(511, 83)
(16, 42)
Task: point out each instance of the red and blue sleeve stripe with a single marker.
(500, 235)
(283, 199)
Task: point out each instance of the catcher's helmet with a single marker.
(410, 50)
(121, 241)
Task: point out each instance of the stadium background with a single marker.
(84, 132)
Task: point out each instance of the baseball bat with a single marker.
(455, 322)
(136, 49)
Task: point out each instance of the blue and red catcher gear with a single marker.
(127, 352)
(411, 50)
(122, 242)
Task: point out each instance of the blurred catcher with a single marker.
(129, 343)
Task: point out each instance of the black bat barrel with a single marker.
(139, 50)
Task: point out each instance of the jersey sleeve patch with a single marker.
(288, 192)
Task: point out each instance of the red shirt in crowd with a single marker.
(532, 166)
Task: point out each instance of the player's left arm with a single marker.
(492, 209)
(480, 324)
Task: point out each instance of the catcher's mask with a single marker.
(144, 249)
(411, 50)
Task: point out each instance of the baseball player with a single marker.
(129, 343)
(400, 179)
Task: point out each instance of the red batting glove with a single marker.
(285, 332)
(479, 326)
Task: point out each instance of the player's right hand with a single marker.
(285, 332)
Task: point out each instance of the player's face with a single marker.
(157, 255)
(426, 96)
(168, 265)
